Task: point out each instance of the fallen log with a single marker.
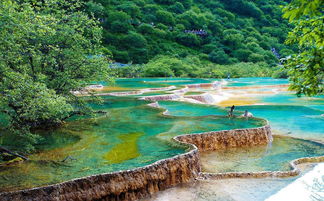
(4, 150)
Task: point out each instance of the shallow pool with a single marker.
(125, 138)
(133, 135)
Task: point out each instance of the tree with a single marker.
(177, 8)
(130, 8)
(306, 69)
(135, 40)
(119, 22)
(242, 54)
(231, 24)
(46, 52)
(95, 8)
(165, 17)
(233, 41)
(167, 2)
(190, 40)
(219, 57)
(255, 57)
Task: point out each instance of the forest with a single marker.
(208, 32)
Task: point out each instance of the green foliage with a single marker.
(280, 73)
(190, 66)
(306, 69)
(164, 17)
(177, 8)
(244, 70)
(32, 104)
(189, 40)
(219, 57)
(254, 57)
(46, 52)
(231, 25)
(165, 66)
(242, 54)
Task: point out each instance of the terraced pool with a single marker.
(124, 139)
(133, 134)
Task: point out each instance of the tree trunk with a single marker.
(4, 150)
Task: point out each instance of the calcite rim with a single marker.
(192, 155)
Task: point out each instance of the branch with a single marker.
(4, 150)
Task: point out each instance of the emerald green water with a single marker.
(190, 109)
(131, 135)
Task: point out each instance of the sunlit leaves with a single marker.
(301, 8)
(306, 69)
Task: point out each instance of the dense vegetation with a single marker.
(306, 69)
(192, 66)
(236, 30)
(46, 51)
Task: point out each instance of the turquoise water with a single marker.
(130, 135)
(141, 83)
(190, 109)
(242, 82)
(297, 121)
(133, 135)
(288, 98)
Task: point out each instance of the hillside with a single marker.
(221, 31)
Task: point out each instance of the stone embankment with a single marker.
(216, 140)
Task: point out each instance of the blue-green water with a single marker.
(242, 82)
(297, 121)
(141, 83)
(190, 109)
(133, 135)
(123, 139)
